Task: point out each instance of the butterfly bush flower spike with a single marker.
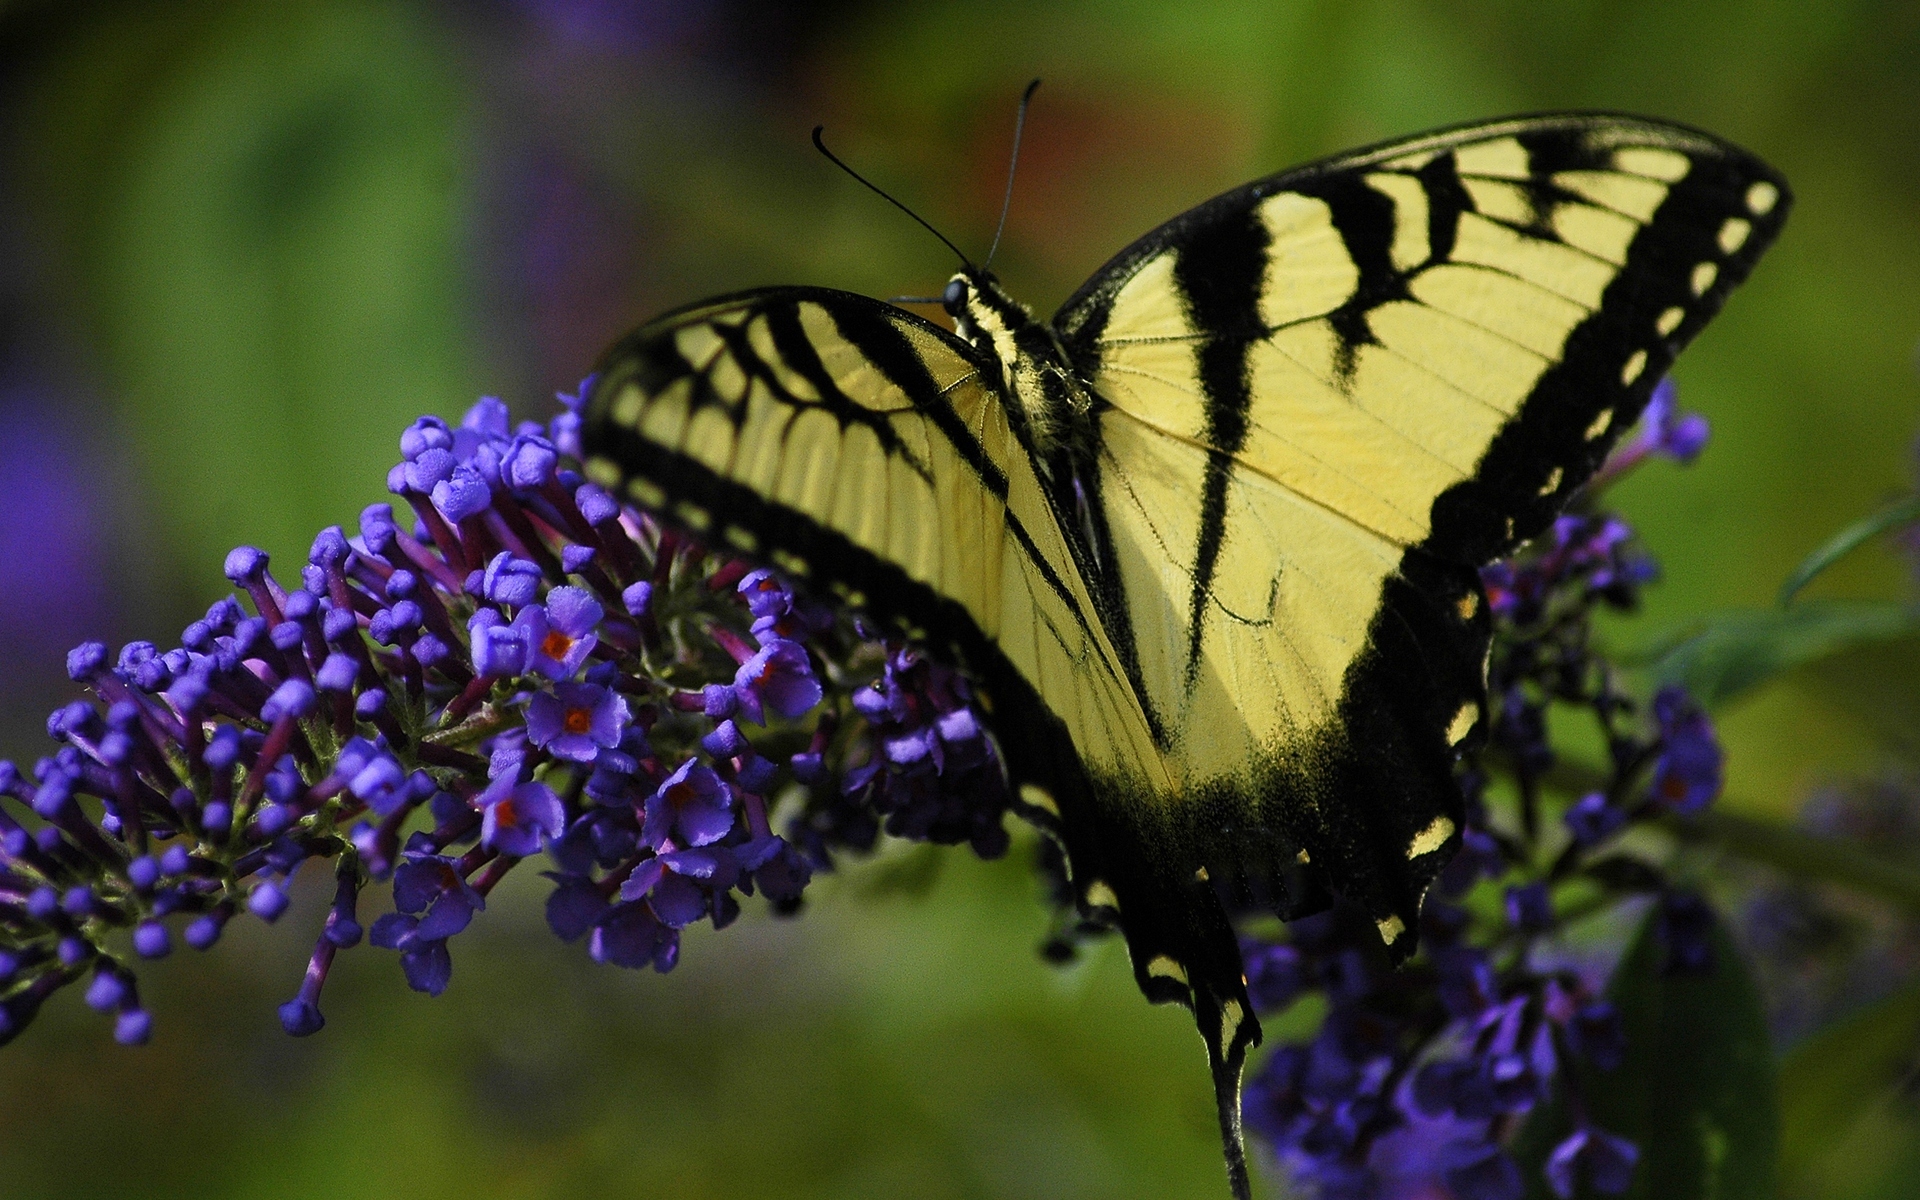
(523, 670)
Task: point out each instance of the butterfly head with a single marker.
(985, 315)
(1023, 353)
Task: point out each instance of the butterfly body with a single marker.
(1209, 539)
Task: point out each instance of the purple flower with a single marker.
(463, 493)
(511, 581)
(670, 883)
(559, 635)
(499, 649)
(576, 720)
(630, 935)
(574, 906)
(693, 806)
(529, 463)
(779, 677)
(1591, 820)
(1687, 776)
(765, 594)
(1666, 430)
(426, 961)
(517, 815)
(1606, 1161)
(432, 886)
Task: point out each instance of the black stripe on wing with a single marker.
(1219, 274)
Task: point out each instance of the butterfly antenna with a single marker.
(876, 189)
(1019, 126)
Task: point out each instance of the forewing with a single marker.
(856, 447)
(1322, 401)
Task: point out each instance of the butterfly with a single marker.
(1209, 539)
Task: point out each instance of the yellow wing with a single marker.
(1323, 400)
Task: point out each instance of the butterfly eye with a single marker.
(954, 299)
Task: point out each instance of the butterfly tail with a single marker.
(1230, 1032)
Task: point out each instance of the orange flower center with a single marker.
(579, 720)
(556, 644)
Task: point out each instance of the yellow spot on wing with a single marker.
(1601, 423)
(698, 344)
(1522, 313)
(603, 471)
(1636, 362)
(1163, 967)
(1761, 198)
(1499, 200)
(1632, 195)
(1431, 838)
(1670, 320)
(1231, 1014)
(1703, 277)
(1553, 482)
(1409, 198)
(1100, 895)
(1600, 232)
(1548, 266)
(728, 380)
(1733, 234)
(1669, 165)
(692, 516)
(646, 493)
(1467, 605)
(627, 408)
(1391, 929)
(1502, 158)
(1039, 798)
(1462, 723)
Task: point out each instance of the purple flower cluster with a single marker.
(927, 769)
(1419, 1081)
(527, 665)
(1418, 1078)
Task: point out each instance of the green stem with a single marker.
(475, 728)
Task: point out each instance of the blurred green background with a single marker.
(242, 244)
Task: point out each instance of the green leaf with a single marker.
(1733, 653)
(1696, 1089)
(1841, 544)
(1843, 1126)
